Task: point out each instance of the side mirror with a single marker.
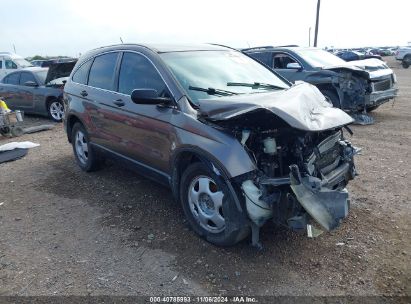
(294, 66)
(30, 84)
(148, 96)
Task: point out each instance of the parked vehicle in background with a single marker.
(10, 62)
(237, 145)
(355, 55)
(356, 86)
(37, 90)
(42, 63)
(403, 54)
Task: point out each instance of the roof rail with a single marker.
(268, 47)
(289, 45)
(229, 47)
(258, 48)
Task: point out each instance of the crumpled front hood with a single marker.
(370, 68)
(302, 106)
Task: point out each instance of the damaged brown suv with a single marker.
(236, 143)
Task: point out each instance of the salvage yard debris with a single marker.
(15, 150)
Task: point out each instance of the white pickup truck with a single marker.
(10, 62)
(403, 54)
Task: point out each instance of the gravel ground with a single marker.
(112, 232)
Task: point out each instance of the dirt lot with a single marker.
(112, 232)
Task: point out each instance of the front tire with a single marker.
(406, 62)
(209, 206)
(332, 97)
(86, 157)
(55, 110)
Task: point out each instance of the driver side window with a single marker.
(281, 60)
(137, 72)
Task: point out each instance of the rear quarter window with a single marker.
(81, 75)
(102, 71)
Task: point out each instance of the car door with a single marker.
(145, 129)
(286, 66)
(26, 91)
(9, 90)
(99, 97)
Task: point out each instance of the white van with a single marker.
(10, 62)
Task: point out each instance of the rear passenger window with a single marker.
(12, 79)
(26, 77)
(137, 72)
(81, 75)
(102, 71)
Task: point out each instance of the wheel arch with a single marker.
(71, 120)
(186, 156)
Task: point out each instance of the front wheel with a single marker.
(406, 62)
(332, 97)
(55, 110)
(209, 206)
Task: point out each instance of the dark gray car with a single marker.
(237, 144)
(37, 90)
(355, 86)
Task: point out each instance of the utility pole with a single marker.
(316, 23)
(309, 36)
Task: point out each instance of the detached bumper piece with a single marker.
(327, 207)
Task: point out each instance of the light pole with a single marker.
(317, 20)
(309, 36)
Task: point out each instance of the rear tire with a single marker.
(87, 159)
(209, 205)
(332, 97)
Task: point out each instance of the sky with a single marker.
(72, 27)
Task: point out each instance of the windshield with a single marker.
(42, 76)
(22, 63)
(206, 74)
(320, 58)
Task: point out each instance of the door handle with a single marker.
(119, 102)
(83, 93)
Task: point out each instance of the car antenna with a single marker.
(121, 41)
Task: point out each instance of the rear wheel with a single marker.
(55, 109)
(208, 206)
(332, 97)
(86, 157)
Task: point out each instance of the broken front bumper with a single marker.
(379, 97)
(327, 207)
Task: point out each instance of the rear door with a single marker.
(100, 98)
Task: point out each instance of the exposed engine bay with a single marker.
(301, 177)
(303, 162)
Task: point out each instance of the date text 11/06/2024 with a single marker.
(205, 299)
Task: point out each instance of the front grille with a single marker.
(382, 85)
